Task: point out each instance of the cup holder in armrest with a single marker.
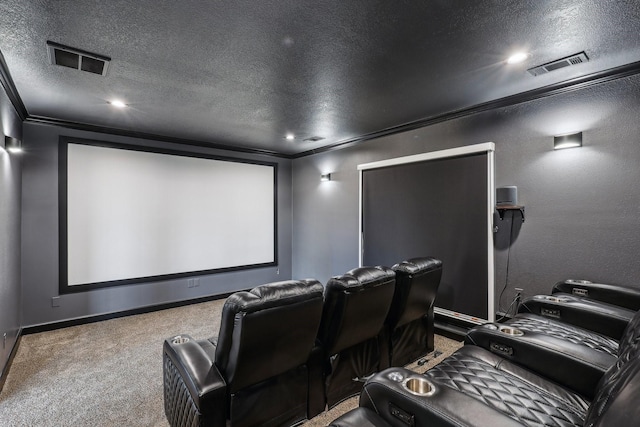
(419, 386)
(578, 282)
(551, 298)
(514, 332)
(179, 340)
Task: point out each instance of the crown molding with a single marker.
(10, 89)
(143, 135)
(565, 86)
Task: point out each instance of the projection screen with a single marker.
(435, 204)
(129, 215)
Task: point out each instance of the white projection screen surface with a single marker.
(134, 215)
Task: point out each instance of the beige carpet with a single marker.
(110, 373)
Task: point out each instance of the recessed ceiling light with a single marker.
(117, 103)
(290, 137)
(517, 58)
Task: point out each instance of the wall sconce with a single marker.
(13, 145)
(325, 177)
(567, 141)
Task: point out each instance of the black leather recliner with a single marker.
(355, 308)
(256, 373)
(561, 324)
(597, 316)
(410, 323)
(475, 387)
(618, 295)
(562, 353)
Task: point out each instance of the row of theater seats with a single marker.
(563, 360)
(287, 350)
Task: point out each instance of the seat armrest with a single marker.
(623, 296)
(387, 395)
(575, 366)
(193, 386)
(606, 319)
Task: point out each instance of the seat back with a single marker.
(409, 327)
(356, 305)
(617, 399)
(630, 337)
(417, 282)
(268, 331)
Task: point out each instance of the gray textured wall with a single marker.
(9, 232)
(582, 205)
(40, 240)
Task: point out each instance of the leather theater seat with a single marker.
(256, 372)
(475, 387)
(618, 295)
(563, 353)
(410, 322)
(355, 308)
(601, 317)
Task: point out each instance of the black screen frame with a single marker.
(480, 313)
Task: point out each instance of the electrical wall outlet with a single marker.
(55, 301)
(518, 296)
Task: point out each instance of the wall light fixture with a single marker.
(325, 177)
(13, 145)
(567, 141)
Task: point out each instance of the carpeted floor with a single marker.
(110, 373)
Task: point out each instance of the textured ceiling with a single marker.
(245, 73)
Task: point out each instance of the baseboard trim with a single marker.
(12, 355)
(453, 332)
(501, 316)
(46, 327)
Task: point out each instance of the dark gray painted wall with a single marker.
(582, 205)
(9, 232)
(40, 240)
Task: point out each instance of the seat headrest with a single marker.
(362, 277)
(274, 294)
(418, 265)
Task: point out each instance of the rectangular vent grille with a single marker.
(71, 57)
(314, 139)
(576, 59)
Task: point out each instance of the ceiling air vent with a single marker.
(71, 57)
(313, 139)
(576, 59)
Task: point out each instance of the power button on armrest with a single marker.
(501, 349)
(405, 417)
(550, 312)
